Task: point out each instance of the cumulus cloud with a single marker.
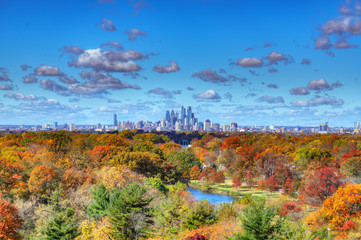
(21, 96)
(107, 24)
(68, 80)
(71, 49)
(30, 78)
(210, 95)
(6, 87)
(98, 84)
(299, 91)
(306, 61)
(113, 44)
(134, 33)
(250, 62)
(209, 75)
(343, 44)
(343, 25)
(173, 67)
(275, 58)
(162, 92)
(317, 102)
(322, 84)
(270, 99)
(109, 60)
(48, 84)
(323, 43)
(25, 67)
(177, 92)
(45, 70)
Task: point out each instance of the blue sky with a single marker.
(250, 62)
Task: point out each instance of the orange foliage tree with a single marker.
(10, 221)
(194, 173)
(10, 174)
(42, 180)
(231, 142)
(337, 211)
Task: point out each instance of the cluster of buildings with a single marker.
(181, 121)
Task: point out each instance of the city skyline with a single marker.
(284, 63)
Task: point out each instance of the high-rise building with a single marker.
(72, 127)
(207, 125)
(115, 120)
(183, 114)
(167, 116)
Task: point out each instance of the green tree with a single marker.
(100, 206)
(184, 162)
(259, 222)
(62, 227)
(202, 214)
(130, 216)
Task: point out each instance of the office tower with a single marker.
(172, 117)
(72, 126)
(167, 116)
(207, 125)
(115, 120)
(189, 113)
(55, 124)
(234, 127)
(183, 114)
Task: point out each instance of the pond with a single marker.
(210, 197)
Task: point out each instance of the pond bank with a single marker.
(213, 190)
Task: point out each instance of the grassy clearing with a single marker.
(227, 189)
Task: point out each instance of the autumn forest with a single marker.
(133, 185)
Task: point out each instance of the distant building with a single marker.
(207, 125)
(115, 120)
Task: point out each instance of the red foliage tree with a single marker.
(272, 183)
(10, 221)
(197, 237)
(250, 180)
(219, 178)
(236, 182)
(288, 187)
(290, 207)
(324, 182)
(231, 142)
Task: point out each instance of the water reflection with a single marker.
(210, 197)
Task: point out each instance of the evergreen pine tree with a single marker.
(62, 227)
(258, 222)
(129, 214)
(99, 207)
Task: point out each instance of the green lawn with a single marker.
(226, 188)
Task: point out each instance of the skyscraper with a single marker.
(167, 116)
(183, 114)
(115, 120)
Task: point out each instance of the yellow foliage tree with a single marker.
(117, 177)
(341, 211)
